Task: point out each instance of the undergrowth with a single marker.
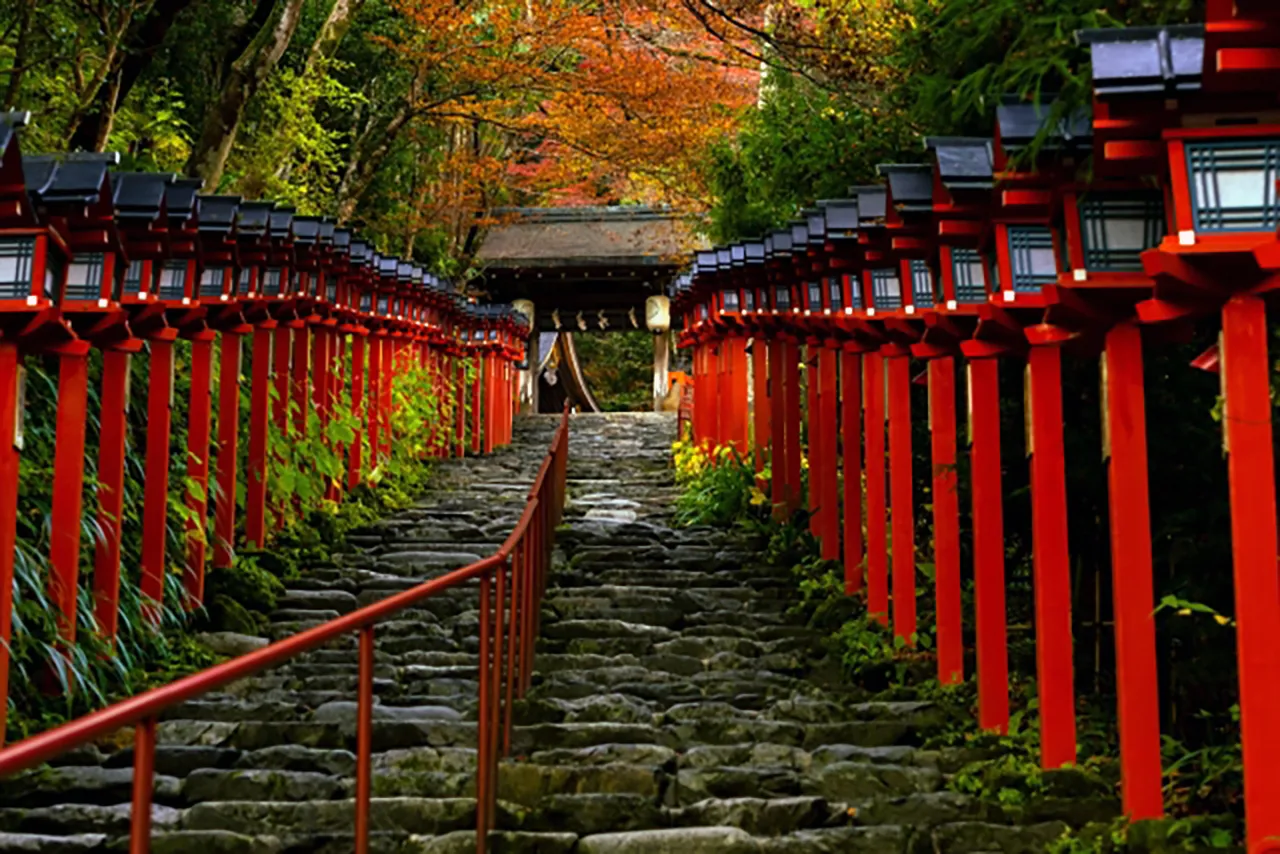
(51, 681)
(1202, 784)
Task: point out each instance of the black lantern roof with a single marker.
(872, 204)
(306, 229)
(341, 237)
(964, 163)
(754, 251)
(841, 216)
(724, 257)
(217, 213)
(359, 251)
(1022, 122)
(280, 222)
(910, 186)
(738, 254)
(72, 179)
(140, 196)
(404, 271)
(817, 223)
(387, 266)
(799, 234)
(179, 198)
(327, 227)
(1146, 60)
(254, 218)
(781, 243)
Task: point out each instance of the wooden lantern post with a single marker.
(179, 273)
(33, 264)
(733, 350)
(840, 232)
(823, 356)
(705, 390)
(215, 290)
(909, 221)
(73, 195)
(755, 303)
(143, 220)
(963, 179)
(359, 284)
(1031, 255)
(1223, 257)
(889, 400)
(252, 230)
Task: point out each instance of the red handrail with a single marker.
(512, 583)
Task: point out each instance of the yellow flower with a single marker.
(1222, 621)
(1184, 612)
(757, 497)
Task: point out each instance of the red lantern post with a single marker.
(1220, 142)
(73, 195)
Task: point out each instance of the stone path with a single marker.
(676, 708)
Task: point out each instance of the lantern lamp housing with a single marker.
(886, 289)
(216, 219)
(1117, 226)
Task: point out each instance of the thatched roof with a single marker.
(616, 237)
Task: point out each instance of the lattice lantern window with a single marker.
(32, 268)
(1116, 228)
(968, 273)
(1032, 257)
(1233, 184)
(923, 288)
(886, 289)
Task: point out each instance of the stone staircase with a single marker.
(676, 708)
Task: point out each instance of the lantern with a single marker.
(216, 218)
(657, 314)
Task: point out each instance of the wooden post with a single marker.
(1055, 673)
(897, 365)
(372, 407)
(851, 394)
(198, 427)
(777, 429)
(739, 407)
(10, 415)
(761, 412)
(112, 437)
(661, 366)
(68, 484)
(791, 396)
(477, 403)
(1125, 447)
(988, 544)
(946, 520)
(255, 511)
(828, 471)
(155, 507)
(224, 521)
(816, 449)
(1246, 380)
(877, 521)
(355, 462)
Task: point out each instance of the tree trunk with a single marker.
(94, 128)
(365, 162)
(19, 55)
(331, 33)
(247, 74)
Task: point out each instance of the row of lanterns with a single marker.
(95, 258)
(996, 251)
